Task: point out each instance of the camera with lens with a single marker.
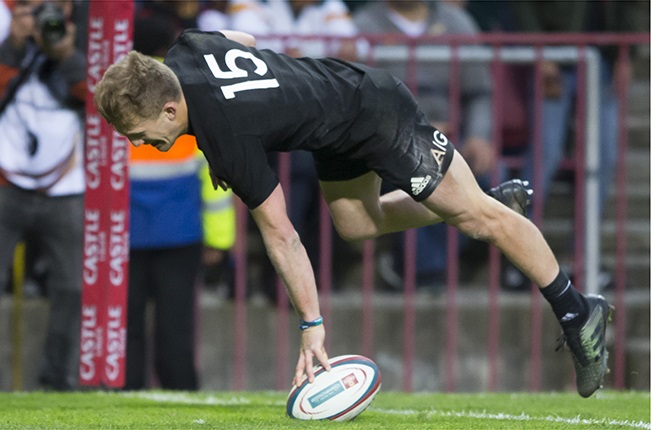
(51, 22)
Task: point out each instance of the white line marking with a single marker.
(187, 399)
(431, 413)
(522, 417)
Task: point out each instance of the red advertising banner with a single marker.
(106, 214)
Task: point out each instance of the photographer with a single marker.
(42, 92)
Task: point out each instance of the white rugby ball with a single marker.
(338, 395)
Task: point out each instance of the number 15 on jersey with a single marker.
(233, 72)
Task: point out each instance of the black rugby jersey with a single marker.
(243, 102)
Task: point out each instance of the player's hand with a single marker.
(312, 346)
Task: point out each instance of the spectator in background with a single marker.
(325, 18)
(5, 20)
(494, 15)
(169, 227)
(213, 15)
(560, 86)
(431, 87)
(178, 14)
(43, 87)
(244, 15)
(458, 3)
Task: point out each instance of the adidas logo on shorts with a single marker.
(419, 183)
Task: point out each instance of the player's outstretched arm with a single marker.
(292, 264)
(240, 37)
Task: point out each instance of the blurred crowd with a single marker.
(182, 230)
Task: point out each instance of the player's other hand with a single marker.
(312, 346)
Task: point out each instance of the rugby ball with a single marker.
(338, 395)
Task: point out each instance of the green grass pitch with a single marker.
(266, 410)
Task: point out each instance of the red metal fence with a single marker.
(494, 50)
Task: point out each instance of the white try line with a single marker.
(432, 413)
(186, 398)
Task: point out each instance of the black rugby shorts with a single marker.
(392, 137)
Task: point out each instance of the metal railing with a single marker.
(495, 50)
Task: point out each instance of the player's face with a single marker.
(159, 133)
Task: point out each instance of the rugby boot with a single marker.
(515, 194)
(587, 345)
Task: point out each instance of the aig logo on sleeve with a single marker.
(439, 139)
(440, 142)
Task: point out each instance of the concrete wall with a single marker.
(472, 366)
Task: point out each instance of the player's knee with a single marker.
(348, 235)
(350, 232)
(487, 226)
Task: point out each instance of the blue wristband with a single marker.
(307, 324)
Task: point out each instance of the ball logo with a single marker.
(350, 381)
(326, 394)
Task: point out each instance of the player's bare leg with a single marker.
(583, 318)
(359, 212)
(460, 202)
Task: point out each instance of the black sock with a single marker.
(568, 304)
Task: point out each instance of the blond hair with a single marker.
(135, 88)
